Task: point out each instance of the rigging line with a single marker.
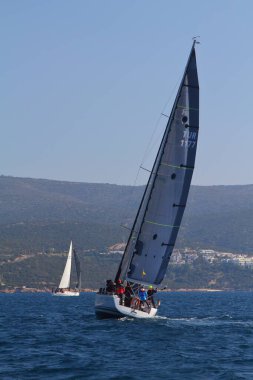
(127, 228)
(156, 142)
(133, 286)
(147, 170)
(152, 143)
(165, 175)
(124, 212)
(151, 147)
(154, 131)
(158, 121)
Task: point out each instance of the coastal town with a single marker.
(189, 255)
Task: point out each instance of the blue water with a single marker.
(196, 336)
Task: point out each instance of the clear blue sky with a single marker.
(83, 83)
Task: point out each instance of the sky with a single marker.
(83, 84)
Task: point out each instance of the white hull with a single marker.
(107, 306)
(67, 293)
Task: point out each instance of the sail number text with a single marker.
(189, 139)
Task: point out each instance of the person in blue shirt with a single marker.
(143, 295)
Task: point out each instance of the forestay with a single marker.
(156, 226)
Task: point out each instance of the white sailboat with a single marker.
(154, 231)
(64, 286)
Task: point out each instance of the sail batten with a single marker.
(161, 210)
(176, 166)
(161, 224)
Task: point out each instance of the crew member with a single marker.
(120, 290)
(110, 286)
(128, 295)
(151, 292)
(143, 295)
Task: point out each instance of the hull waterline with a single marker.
(108, 306)
(66, 294)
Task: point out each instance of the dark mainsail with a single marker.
(158, 219)
(78, 270)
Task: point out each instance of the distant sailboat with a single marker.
(154, 232)
(64, 286)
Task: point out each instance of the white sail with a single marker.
(65, 280)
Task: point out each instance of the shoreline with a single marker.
(35, 290)
(88, 290)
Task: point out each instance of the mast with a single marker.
(178, 144)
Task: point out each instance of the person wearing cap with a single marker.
(151, 292)
(143, 295)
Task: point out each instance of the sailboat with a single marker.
(156, 225)
(64, 286)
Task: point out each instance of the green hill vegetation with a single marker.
(42, 216)
(44, 271)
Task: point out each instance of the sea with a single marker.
(197, 335)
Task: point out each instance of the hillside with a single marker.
(40, 214)
(219, 217)
(44, 270)
(40, 217)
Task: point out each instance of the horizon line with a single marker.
(113, 184)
